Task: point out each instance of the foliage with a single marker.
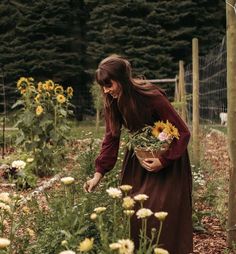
(42, 121)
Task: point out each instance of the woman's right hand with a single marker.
(91, 184)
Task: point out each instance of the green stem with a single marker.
(114, 220)
(159, 233)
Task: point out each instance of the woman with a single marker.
(167, 179)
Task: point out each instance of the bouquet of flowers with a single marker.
(152, 141)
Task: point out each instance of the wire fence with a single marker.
(212, 86)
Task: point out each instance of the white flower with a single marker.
(30, 160)
(114, 192)
(4, 242)
(126, 187)
(5, 197)
(67, 252)
(127, 246)
(128, 203)
(129, 212)
(143, 213)
(141, 197)
(67, 180)
(163, 136)
(19, 164)
(5, 207)
(100, 209)
(160, 251)
(64, 243)
(161, 215)
(114, 246)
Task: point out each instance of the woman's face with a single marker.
(114, 90)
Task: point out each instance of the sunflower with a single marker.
(37, 98)
(171, 130)
(40, 86)
(50, 84)
(45, 86)
(69, 91)
(58, 89)
(22, 83)
(158, 128)
(61, 98)
(39, 110)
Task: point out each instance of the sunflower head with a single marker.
(158, 128)
(61, 98)
(39, 110)
(69, 91)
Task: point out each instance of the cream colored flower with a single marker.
(64, 243)
(126, 188)
(129, 212)
(161, 215)
(67, 180)
(4, 242)
(141, 197)
(128, 203)
(26, 209)
(160, 251)
(114, 246)
(86, 245)
(67, 252)
(93, 216)
(5, 207)
(100, 209)
(30, 232)
(114, 192)
(19, 164)
(127, 246)
(39, 110)
(5, 197)
(30, 160)
(143, 213)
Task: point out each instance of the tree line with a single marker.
(64, 40)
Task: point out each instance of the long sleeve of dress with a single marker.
(109, 151)
(164, 111)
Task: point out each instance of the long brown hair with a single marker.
(131, 102)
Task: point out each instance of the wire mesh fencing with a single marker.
(212, 87)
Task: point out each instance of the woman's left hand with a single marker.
(152, 164)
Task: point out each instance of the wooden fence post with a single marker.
(231, 111)
(182, 91)
(195, 122)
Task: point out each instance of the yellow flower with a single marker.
(22, 83)
(160, 251)
(144, 213)
(100, 209)
(128, 203)
(171, 130)
(39, 110)
(45, 86)
(23, 91)
(161, 215)
(40, 86)
(93, 216)
(48, 94)
(58, 89)
(50, 84)
(129, 212)
(30, 232)
(64, 243)
(86, 245)
(127, 246)
(4, 242)
(69, 91)
(67, 180)
(37, 98)
(158, 128)
(61, 98)
(26, 209)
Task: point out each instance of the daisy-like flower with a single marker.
(126, 188)
(19, 164)
(158, 128)
(4, 242)
(127, 246)
(93, 216)
(143, 213)
(86, 245)
(160, 251)
(69, 91)
(39, 110)
(129, 212)
(128, 203)
(61, 98)
(114, 192)
(22, 81)
(5, 197)
(30, 160)
(141, 197)
(45, 86)
(67, 252)
(67, 180)
(161, 215)
(171, 130)
(50, 84)
(100, 209)
(114, 246)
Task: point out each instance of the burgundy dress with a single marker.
(169, 189)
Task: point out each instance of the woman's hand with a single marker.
(152, 164)
(91, 184)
